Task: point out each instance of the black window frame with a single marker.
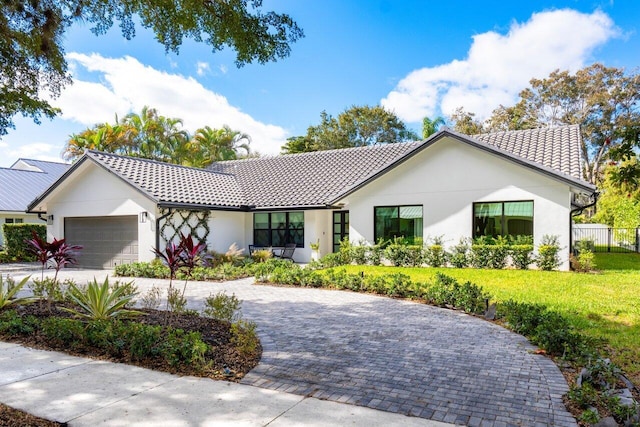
(270, 230)
(474, 235)
(375, 231)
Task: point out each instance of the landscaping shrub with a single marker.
(402, 255)
(244, 337)
(585, 259)
(180, 347)
(13, 324)
(5, 258)
(547, 329)
(459, 257)
(222, 307)
(447, 291)
(359, 253)
(16, 236)
(521, 256)
(332, 260)
(376, 252)
(548, 258)
(100, 301)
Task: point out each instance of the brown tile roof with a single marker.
(556, 147)
(168, 183)
(309, 179)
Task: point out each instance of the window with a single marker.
(398, 221)
(340, 228)
(13, 220)
(278, 228)
(503, 219)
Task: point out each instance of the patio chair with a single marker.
(287, 252)
(252, 249)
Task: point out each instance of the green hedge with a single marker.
(15, 236)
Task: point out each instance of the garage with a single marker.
(106, 241)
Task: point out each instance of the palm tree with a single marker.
(210, 145)
(429, 127)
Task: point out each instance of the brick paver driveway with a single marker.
(393, 355)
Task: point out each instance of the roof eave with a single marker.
(202, 206)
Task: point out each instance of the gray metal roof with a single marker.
(19, 187)
(558, 147)
(309, 179)
(53, 168)
(172, 184)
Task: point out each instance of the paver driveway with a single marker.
(392, 355)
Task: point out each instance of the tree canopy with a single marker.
(357, 126)
(604, 101)
(149, 135)
(429, 126)
(32, 63)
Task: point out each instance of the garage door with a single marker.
(107, 241)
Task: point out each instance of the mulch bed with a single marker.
(215, 333)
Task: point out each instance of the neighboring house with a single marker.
(450, 185)
(25, 180)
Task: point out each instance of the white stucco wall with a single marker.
(95, 192)
(227, 228)
(446, 179)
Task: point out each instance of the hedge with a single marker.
(15, 236)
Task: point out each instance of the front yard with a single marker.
(604, 304)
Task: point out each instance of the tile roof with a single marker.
(172, 184)
(19, 187)
(558, 148)
(309, 179)
(320, 178)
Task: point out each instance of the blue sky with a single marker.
(417, 58)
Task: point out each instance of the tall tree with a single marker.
(429, 127)
(357, 126)
(465, 122)
(31, 34)
(150, 135)
(211, 145)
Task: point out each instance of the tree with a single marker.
(617, 206)
(465, 122)
(31, 34)
(354, 127)
(211, 145)
(429, 127)
(149, 135)
(604, 101)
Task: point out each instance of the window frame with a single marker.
(502, 216)
(375, 231)
(270, 229)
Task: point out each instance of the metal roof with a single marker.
(18, 187)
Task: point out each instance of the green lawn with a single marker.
(604, 304)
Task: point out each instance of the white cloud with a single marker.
(37, 151)
(223, 69)
(202, 68)
(127, 85)
(499, 66)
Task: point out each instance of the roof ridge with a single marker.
(540, 128)
(158, 162)
(319, 152)
(43, 161)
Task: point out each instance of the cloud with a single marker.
(499, 66)
(37, 151)
(202, 68)
(126, 85)
(223, 69)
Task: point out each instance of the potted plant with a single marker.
(315, 250)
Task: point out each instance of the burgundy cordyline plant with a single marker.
(57, 251)
(185, 255)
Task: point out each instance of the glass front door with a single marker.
(340, 228)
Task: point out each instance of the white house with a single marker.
(20, 184)
(450, 185)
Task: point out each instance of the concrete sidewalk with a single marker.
(86, 392)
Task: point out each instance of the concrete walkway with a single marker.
(391, 355)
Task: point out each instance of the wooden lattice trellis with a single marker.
(184, 222)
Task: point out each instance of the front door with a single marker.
(340, 228)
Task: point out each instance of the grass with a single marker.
(604, 304)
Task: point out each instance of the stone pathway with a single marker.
(392, 355)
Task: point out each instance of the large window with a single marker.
(503, 219)
(278, 228)
(398, 221)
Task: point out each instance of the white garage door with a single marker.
(107, 241)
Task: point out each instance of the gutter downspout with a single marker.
(169, 212)
(578, 211)
(40, 217)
